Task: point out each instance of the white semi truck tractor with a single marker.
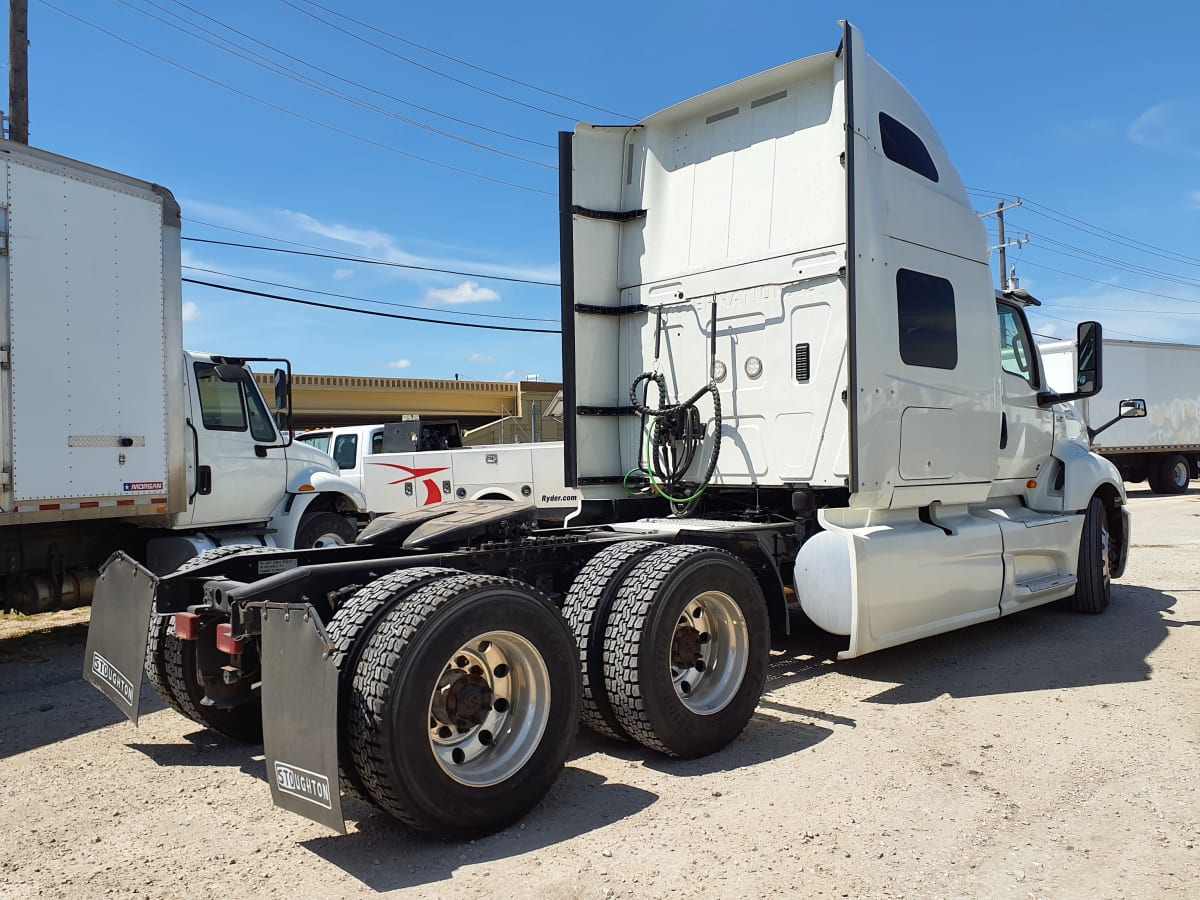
(112, 436)
(784, 386)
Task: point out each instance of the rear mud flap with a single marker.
(299, 710)
(120, 625)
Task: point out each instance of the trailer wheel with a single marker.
(348, 632)
(465, 704)
(686, 650)
(242, 722)
(587, 609)
(1093, 587)
(162, 631)
(1170, 474)
(324, 529)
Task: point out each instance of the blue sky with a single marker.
(1090, 110)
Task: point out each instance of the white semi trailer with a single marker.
(112, 437)
(1164, 447)
(783, 378)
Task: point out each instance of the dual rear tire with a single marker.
(673, 645)
(460, 698)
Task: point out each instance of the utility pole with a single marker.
(998, 212)
(18, 71)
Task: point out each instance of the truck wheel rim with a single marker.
(1180, 473)
(329, 539)
(489, 709)
(710, 652)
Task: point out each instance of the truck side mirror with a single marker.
(1132, 409)
(283, 387)
(1128, 409)
(1089, 349)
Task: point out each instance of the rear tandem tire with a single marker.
(1093, 585)
(1170, 474)
(465, 704)
(587, 609)
(686, 650)
(348, 631)
(177, 661)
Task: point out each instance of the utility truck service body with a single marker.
(402, 481)
(783, 377)
(112, 437)
(1164, 447)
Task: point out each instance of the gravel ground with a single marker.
(1044, 755)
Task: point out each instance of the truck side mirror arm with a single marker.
(1129, 409)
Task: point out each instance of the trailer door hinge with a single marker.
(5, 477)
(627, 310)
(3, 357)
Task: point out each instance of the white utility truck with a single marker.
(783, 382)
(112, 437)
(1164, 447)
(394, 477)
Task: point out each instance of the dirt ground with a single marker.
(1044, 755)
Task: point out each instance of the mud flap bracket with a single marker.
(299, 709)
(120, 624)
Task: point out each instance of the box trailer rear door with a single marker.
(88, 336)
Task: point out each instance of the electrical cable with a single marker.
(296, 287)
(419, 65)
(303, 118)
(344, 80)
(373, 262)
(463, 62)
(367, 312)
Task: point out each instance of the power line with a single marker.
(296, 287)
(368, 312)
(1108, 284)
(257, 59)
(1113, 330)
(419, 65)
(292, 113)
(1095, 230)
(463, 62)
(373, 262)
(316, 68)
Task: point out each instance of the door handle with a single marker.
(1003, 430)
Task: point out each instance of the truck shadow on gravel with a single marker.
(1039, 649)
(43, 697)
(386, 856)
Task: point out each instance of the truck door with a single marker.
(1026, 430)
(244, 482)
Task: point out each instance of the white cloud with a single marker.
(1193, 200)
(342, 274)
(191, 312)
(467, 292)
(1171, 126)
(480, 358)
(510, 375)
(400, 364)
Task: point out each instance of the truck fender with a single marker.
(1084, 473)
(327, 491)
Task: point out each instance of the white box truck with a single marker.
(1164, 446)
(397, 480)
(112, 437)
(783, 382)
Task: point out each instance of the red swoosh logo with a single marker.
(412, 473)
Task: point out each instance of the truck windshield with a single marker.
(320, 441)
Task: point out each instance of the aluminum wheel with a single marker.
(489, 709)
(710, 650)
